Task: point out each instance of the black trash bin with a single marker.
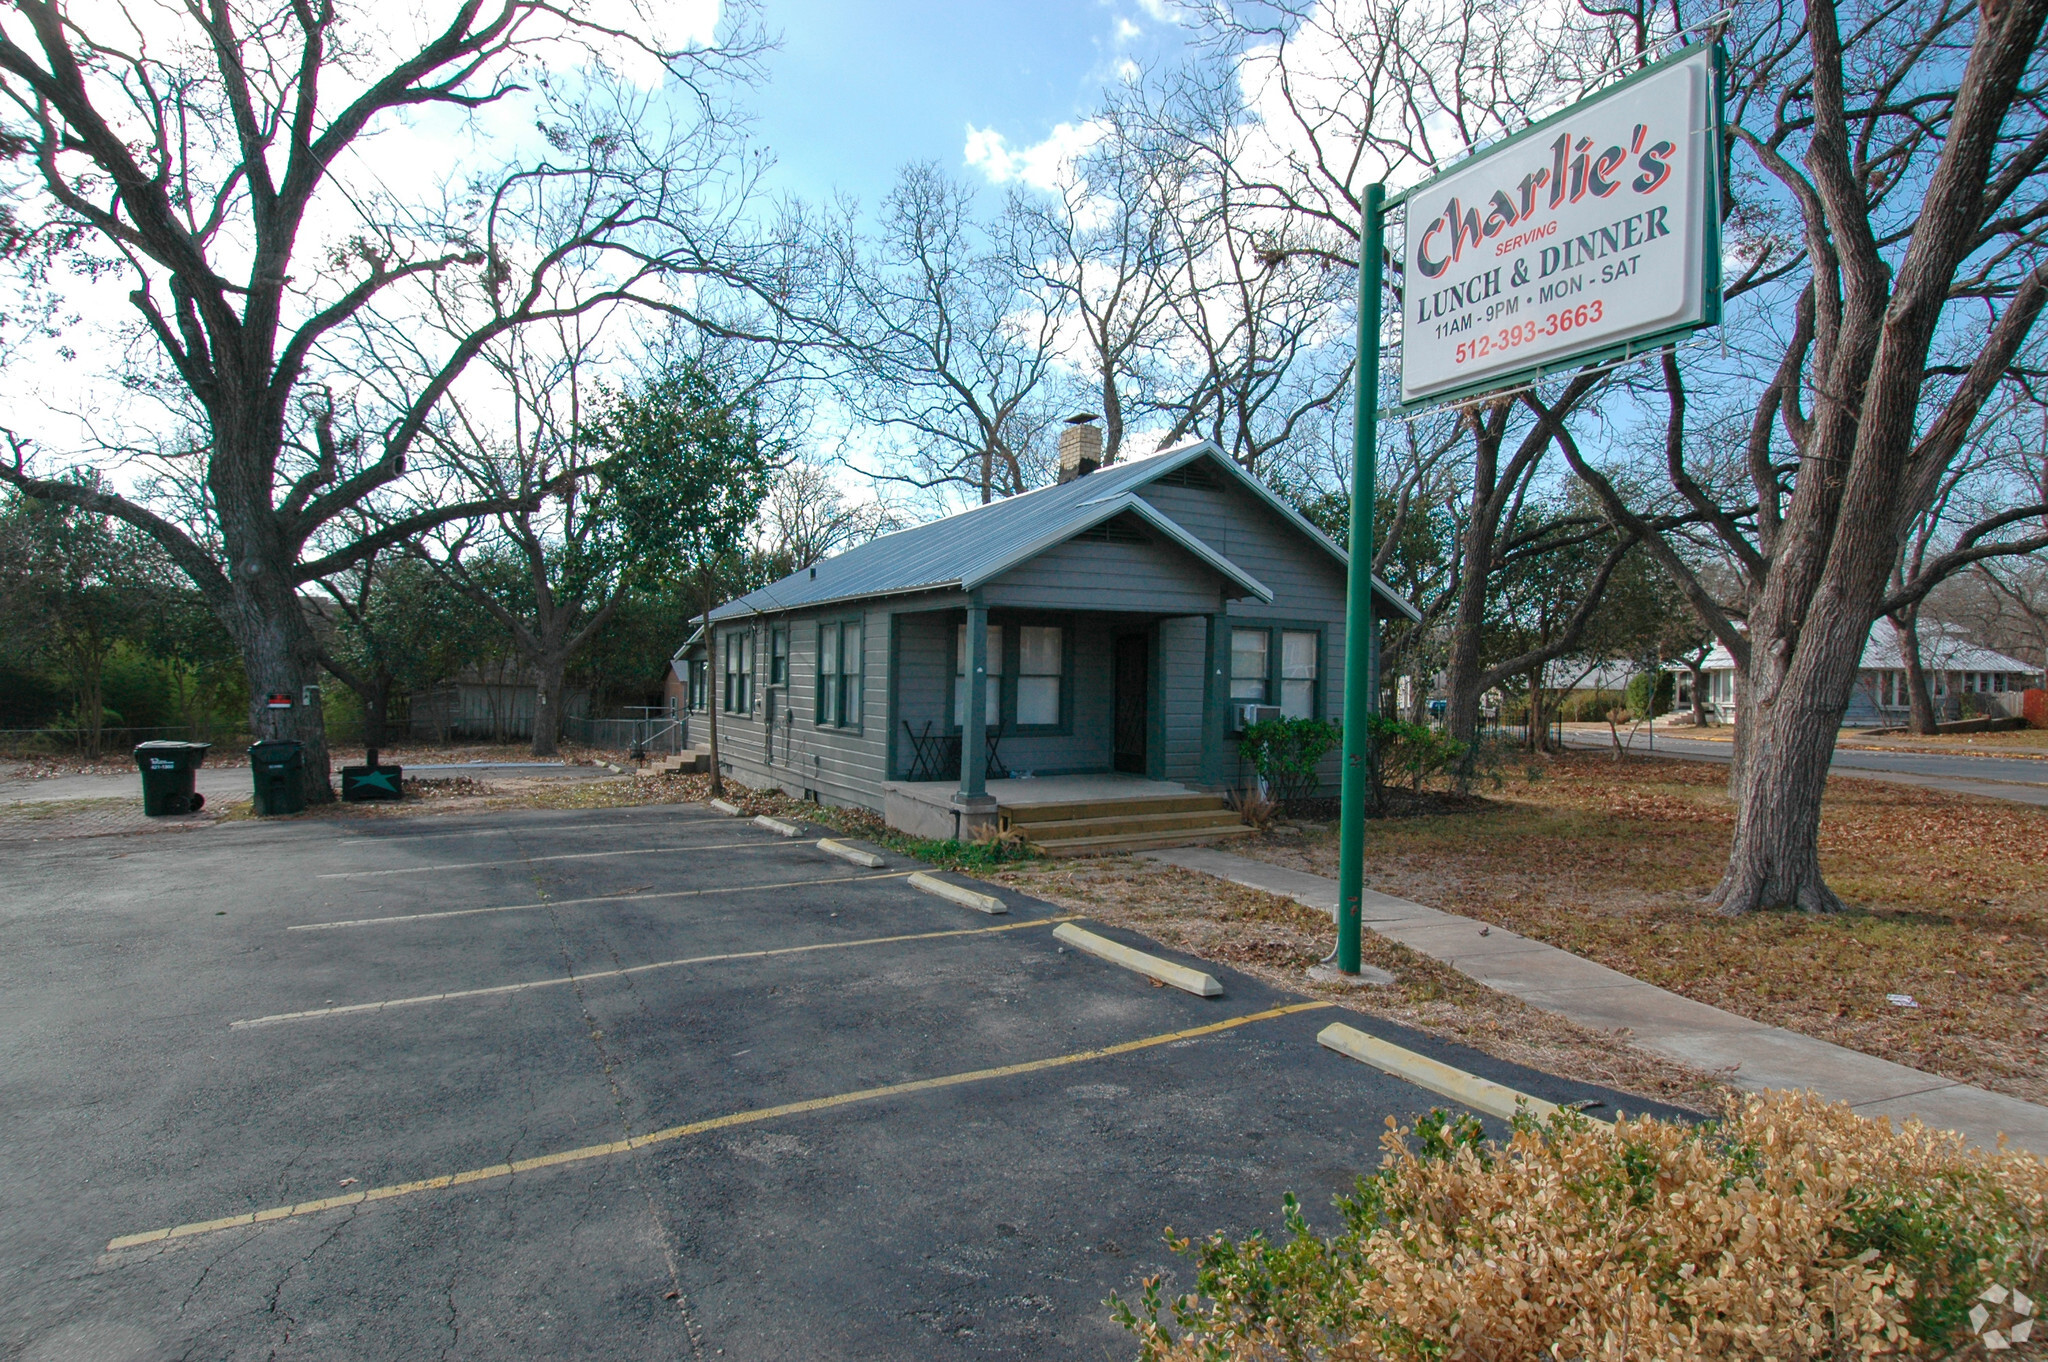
(167, 776)
(279, 768)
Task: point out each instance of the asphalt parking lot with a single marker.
(622, 1083)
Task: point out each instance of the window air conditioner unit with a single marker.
(1247, 715)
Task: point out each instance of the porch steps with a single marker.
(694, 762)
(1099, 827)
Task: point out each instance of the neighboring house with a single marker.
(494, 702)
(1962, 677)
(1128, 615)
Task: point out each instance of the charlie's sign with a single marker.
(1594, 232)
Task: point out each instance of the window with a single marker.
(828, 674)
(698, 673)
(778, 657)
(1298, 673)
(739, 673)
(839, 674)
(992, 706)
(1248, 649)
(1040, 664)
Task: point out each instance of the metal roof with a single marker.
(963, 551)
(1943, 648)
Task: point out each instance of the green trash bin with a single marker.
(167, 776)
(279, 768)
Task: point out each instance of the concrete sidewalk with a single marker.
(1749, 1054)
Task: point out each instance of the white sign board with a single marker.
(1596, 228)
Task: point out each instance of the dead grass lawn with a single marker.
(1277, 939)
(1610, 860)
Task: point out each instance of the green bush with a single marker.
(1287, 752)
(1642, 701)
(1414, 752)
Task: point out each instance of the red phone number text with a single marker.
(1508, 337)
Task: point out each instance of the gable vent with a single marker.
(1118, 530)
(1194, 474)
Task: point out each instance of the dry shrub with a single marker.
(1011, 843)
(1254, 806)
(1792, 1229)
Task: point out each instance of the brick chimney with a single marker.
(1080, 447)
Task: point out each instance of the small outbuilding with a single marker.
(1122, 626)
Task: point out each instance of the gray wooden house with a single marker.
(1119, 622)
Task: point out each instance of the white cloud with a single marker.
(1128, 71)
(1162, 11)
(1041, 165)
(1126, 30)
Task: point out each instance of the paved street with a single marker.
(2024, 779)
(619, 1083)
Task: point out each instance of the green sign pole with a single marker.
(1359, 631)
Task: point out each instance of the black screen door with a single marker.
(1133, 701)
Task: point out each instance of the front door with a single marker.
(1133, 701)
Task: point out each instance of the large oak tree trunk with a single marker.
(377, 709)
(1464, 673)
(1787, 720)
(280, 657)
(551, 678)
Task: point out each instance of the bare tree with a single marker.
(2018, 594)
(207, 152)
(940, 339)
(806, 518)
(1887, 202)
(535, 568)
(1103, 243)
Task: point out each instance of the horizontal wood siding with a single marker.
(1307, 583)
(1182, 648)
(924, 678)
(844, 765)
(1304, 579)
(1159, 577)
(924, 670)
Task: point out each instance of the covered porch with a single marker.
(1063, 693)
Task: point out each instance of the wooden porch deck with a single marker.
(1094, 815)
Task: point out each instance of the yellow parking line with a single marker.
(536, 860)
(559, 979)
(595, 898)
(738, 1118)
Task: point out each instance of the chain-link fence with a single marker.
(656, 734)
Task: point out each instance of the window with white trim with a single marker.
(738, 697)
(992, 693)
(1298, 649)
(1041, 663)
(1249, 649)
(840, 666)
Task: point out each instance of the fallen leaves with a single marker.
(1611, 860)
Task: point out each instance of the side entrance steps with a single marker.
(697, 761)
(1141, 823)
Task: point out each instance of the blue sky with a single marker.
(859, 88)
